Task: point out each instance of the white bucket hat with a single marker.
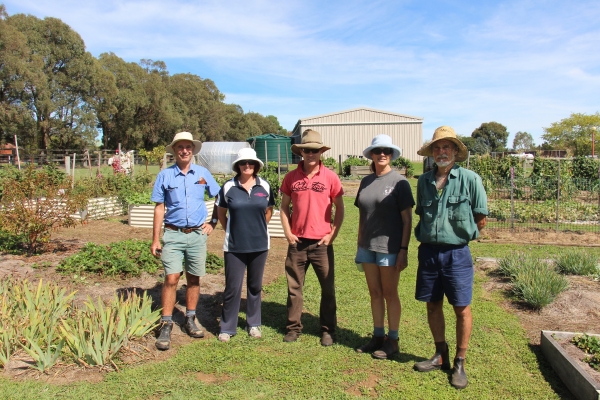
(247, 154)
(383, 141)
(184, 136)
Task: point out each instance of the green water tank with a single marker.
(271, 147)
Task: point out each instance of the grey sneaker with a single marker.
(224, 337)
(255, 332)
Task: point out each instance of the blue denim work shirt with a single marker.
(183, 195)
(449, 218)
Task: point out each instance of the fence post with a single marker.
(512, 200)
(278, 162)
(339, 164)
(557, 194)
(68, 165)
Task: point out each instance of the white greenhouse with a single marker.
(218, 156)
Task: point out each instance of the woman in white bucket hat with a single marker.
(385, 202)
(245, 208)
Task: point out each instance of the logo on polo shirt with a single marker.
(260, 194)
(318, 187)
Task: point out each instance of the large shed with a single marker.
(349, 132)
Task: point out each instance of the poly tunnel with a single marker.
(218, 156)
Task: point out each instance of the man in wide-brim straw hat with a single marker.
(452, 206)
(179, 196)
(312, 189)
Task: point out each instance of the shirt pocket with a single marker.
(197, 190)
(459, 208)
(172, 194)
(427, 210)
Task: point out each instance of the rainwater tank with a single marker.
(271, 147)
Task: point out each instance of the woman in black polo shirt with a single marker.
(245, 208)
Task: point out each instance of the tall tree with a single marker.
(523, 141)
(268, 124)
(491, 135)
(573, 133)
(58, 104)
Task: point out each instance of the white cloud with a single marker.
(522, 63)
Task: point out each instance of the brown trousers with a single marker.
(299, 257)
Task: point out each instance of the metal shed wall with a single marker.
(350, 132)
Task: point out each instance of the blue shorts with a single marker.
(445, 270)
(373, 257)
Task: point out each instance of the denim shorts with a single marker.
(445, 270)
(179, 247)
(373, 257)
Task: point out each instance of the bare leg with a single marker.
(372, 274)
(437, 323)
(169, 290)
(193, 291)
(389, 283)
(464, 324)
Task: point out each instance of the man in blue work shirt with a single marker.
(452, 204)
(179, 196)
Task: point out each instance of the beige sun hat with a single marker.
(445, 133)
(184, 136)
(310, 140)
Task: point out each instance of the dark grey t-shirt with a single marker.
(380, 201)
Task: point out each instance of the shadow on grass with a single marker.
(549, 375)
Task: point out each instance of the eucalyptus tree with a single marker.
(56, 102)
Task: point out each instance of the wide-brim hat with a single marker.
(383, 141)
(247, 154)
(184, 136)
(310, 140)
(445, 133)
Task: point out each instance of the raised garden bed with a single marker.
(142, 216)
(581, 384)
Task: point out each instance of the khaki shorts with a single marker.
(179, 247)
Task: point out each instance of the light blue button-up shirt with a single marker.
(183, 195)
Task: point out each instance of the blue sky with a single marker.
(524, 64)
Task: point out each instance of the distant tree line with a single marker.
(573, 134)
(56, 95)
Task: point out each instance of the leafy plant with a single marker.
(330, 162)
(214, 263)
(533, 281)
(35, 204)
(576, 262)
(353, 161)
(406, 163)
(46, 355)
(591, 345)
(127, 258)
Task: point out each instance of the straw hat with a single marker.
(445, 133)
(247, 154)
(383, 141)
(184, 136)
(310, 140)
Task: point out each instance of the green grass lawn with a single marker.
(500, 363)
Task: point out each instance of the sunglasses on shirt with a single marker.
(311, 151)
(385, 150)
(247, 162)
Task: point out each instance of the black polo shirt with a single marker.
(246, 225)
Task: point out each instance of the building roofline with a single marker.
(357, 109)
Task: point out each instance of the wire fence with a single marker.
(551, 203)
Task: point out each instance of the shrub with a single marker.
(573, 262)
(533, 281)
(269, 173)
(126, 258)
(404, 162)
(537, 284)
(214, 263)
(37, 202)
(590, 345)
(331, 163)
(353, 161)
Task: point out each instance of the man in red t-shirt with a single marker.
(312, 189)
